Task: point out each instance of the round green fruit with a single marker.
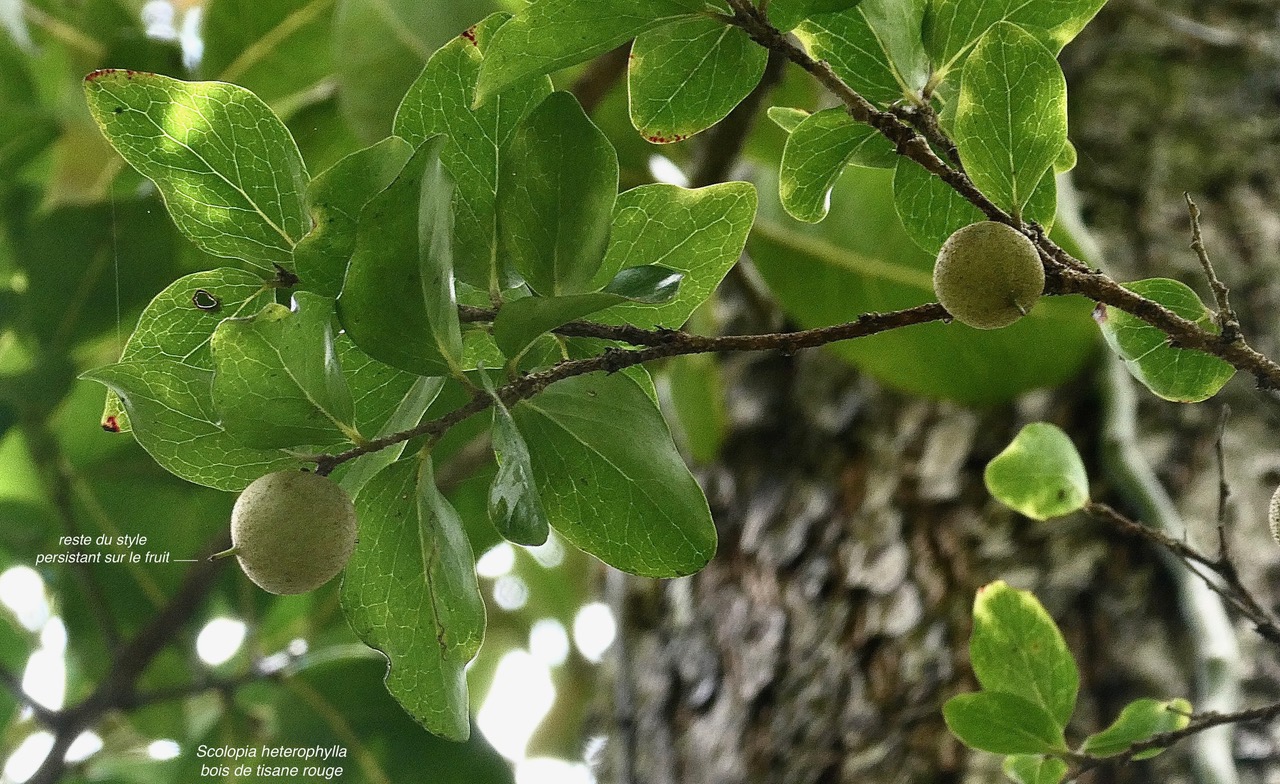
(293, 531)
(988, 275)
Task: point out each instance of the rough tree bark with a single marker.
(821, 642)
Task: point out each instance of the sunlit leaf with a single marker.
(552, 34)
(230, 173)
(178, 323)
(439, 102)
(1034, 769)
(1011, 116)
(817, 152)
(952, 26)
(170, 407)
(1002, 724)
(277, 382)
(686, 76)
(1017, 649)
(1138, 721)
(699, 233)
(334, 200)
(610, 478)
(1177, 374)
(1040, 474)
(786, 14)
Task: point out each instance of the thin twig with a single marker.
(1083, 763)
(614, 359)
(1264, 622)
(1202, 599)
(1224, 490)
(924, 119)
(1228, 323)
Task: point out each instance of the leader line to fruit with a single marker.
(292, 531)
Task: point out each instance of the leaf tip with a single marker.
(103, 73)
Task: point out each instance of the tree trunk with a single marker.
(820, 643)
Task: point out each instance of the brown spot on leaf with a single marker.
(111, 425)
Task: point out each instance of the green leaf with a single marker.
(1040, 474)
(276, 48)
(687, 76)
(786, 14)
(851, 47)
(440, 102)
(1011, 116)
(387, 400)
(521, 321)
(229, 171)
(381, 47)
(1034, 769)
(1066, 160)
(816, 154)
(931, 211)
(515, 507)
(559, 183)
(611, 480)
(860, 260)
(699, 233)
(553, 34)
(898, 27)
(398, 302)
(410, 591)
(276, 380)
(1178, 374)
(170, 407)
(334, 200)
(787, 118)
(1002, 724)
(1140, 720)
(173, 326)
(1017, 649)
(952, 26)
(379, 392)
